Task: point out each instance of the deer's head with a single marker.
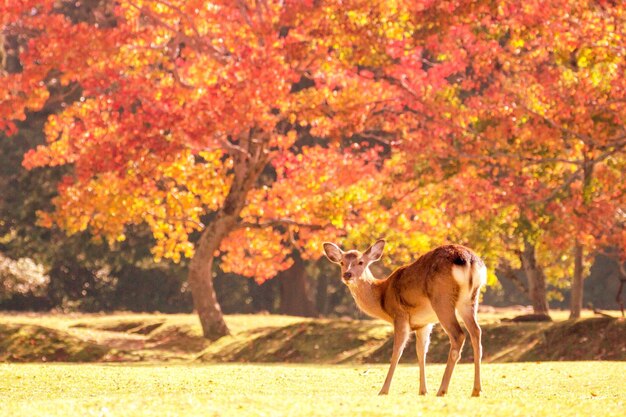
(353, 263)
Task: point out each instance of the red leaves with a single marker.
(8, 128)
(479, 108)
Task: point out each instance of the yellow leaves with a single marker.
(536, 100)
(492, 278)
(518, 43)
(171, 240)
(337, 220)
(188, 187)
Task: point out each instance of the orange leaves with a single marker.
(318, 194)
(483, 112)
(257, 253)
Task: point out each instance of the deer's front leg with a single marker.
(400, 336)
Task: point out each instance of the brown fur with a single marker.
(430, 273)
(433, 289)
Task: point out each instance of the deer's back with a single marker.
(414, 285)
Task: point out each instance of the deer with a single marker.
(415, 297)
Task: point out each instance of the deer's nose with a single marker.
(347, 275)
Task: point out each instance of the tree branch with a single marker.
(508, 272)
(562, 187)
(194, 42)
(282, 222)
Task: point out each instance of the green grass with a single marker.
(524, 389)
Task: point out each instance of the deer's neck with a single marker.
(368, 292)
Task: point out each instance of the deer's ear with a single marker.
(375, 251)
(332, 252)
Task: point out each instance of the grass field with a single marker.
(177, 373)
(528, 389)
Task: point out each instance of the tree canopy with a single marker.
(246, 129)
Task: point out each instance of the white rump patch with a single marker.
(461, 275)
(480, 275)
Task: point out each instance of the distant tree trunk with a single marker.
(321, 296)
(621, 274)
(506, 270)
(9, 54)
(536, 279)
(264, 296)
(295, 297)
(576, 294)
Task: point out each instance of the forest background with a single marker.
(176, 155)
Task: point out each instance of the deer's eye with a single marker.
(341, 263)
(360, 262)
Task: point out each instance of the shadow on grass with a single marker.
(32, 343)
(162, 338)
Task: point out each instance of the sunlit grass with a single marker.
(529, 389)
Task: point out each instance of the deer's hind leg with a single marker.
(445, 310)
(468, 315)
(422, 340)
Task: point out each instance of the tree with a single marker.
(460, 113)
(184, 107)
(526, 116)
(553, 107)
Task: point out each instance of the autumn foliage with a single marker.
(247, 129)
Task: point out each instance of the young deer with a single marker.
(415, 297)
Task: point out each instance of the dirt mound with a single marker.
(601, 338)
(573, 340)
(177, 338)
(125, 326)
(31, 343)
(306, 341)
(324, 341)
(505, 342)
(334, 341)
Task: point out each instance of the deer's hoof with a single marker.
(441, 393)
(383, 392)
(476, 392)
(423, 392)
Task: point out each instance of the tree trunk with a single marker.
(248, 163)
(295, 299)
(506, 270)
(536, 279)
(201, 280)
(576, 294)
